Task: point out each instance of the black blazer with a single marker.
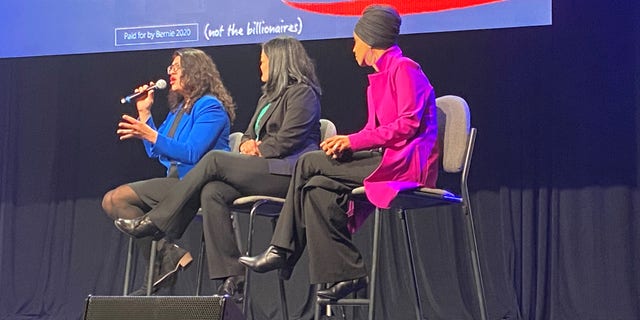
(289, 128)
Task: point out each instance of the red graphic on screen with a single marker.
(355, 7)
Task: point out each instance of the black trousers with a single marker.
(152, 192)
(314, 215)
(215, 182)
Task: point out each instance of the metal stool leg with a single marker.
(283, 297)
(152, 260)
(377, 223)
(200, 265)
(236, 230)
(127, 268)
(247, 273)
(316, 315)
(283, 300)
(475, 263)
(322, 304)
(370, 301)
(411, 260)
(283, 294)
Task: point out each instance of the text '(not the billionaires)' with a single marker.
(253, 28)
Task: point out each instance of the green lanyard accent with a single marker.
(256, 126)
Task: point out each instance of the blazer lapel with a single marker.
(274, 105)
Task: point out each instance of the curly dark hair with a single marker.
(200, 76)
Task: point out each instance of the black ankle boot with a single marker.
(273, 258)
(172, 259)
(233, 287)
(341, 289)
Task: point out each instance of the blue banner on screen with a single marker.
(33, 27)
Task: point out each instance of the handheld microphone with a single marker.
(160, 85)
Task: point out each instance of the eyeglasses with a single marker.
(172, 68)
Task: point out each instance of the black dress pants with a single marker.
(314, 214)
(216, 181)
(152, 192)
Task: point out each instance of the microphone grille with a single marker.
(161, 84)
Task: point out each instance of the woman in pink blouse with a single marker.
(396, 150)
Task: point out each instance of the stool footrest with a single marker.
(344, 302)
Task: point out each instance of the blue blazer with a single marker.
(206, 127)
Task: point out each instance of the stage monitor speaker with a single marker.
(161, 308)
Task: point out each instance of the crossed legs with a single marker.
(314, 214)
(133, 200)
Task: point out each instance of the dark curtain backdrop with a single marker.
(554, 179)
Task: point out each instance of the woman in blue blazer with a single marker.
(285, 125)
(199, 121)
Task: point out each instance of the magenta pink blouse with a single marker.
(402, 119)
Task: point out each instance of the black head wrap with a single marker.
(379, 26)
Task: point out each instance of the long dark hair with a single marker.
(289, 64)
(200, 76)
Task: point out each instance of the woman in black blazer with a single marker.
(286, 124)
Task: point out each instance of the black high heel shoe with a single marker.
(273, 258)
(139, 227)
(233, 287)
(343, 288)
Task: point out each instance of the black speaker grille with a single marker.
(154, 308)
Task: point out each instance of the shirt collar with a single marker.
(387, 56)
